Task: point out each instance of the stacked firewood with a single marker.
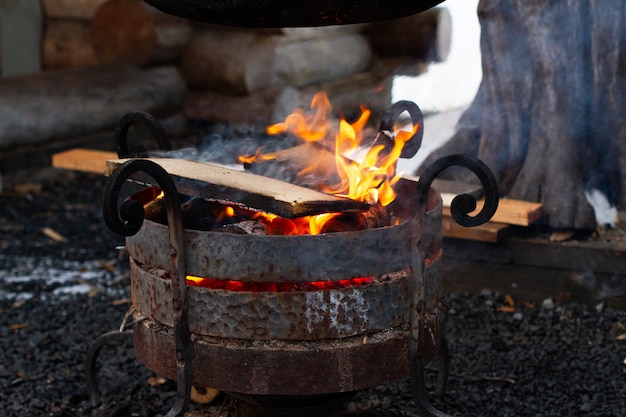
(235, 61)
(89, 32)
(253, 76)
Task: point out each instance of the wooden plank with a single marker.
(261, 193)
(87, 160)
(516, 212)
(488, 232)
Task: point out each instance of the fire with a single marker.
(370, 180)
(311, 127)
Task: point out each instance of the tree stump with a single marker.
(548, 118)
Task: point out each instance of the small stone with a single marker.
(548, 304)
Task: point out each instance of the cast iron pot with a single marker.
(290, 13)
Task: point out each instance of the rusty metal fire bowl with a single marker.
(293, 342)
(378, 320)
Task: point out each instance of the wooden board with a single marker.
(488, 232)
(261, 193)
(87, 160)
(515, 212)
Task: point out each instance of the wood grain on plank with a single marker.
(261, 193)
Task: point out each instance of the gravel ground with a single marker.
(509, 357)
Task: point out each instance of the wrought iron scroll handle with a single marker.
(462, 204)
(145, 119)
(387, 125)
(127, 221)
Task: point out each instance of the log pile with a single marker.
(233, 61)
(89, 32)
(243, 86)
(425, 36)
(311, 55)
(226, 60)
(79, 101)
(240, 75)
(66, 39)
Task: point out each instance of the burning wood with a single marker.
(265, 194)
(331, 166)
(350, 295)
(341, 195)
(204, 215)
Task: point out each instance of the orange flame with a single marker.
(370, 180)
(310, 127)
(258, 156)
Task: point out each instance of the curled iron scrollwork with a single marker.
(128, 219)
(145, 119)
(390, 118)
(462, 204)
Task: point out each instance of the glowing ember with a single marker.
(231, 285)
